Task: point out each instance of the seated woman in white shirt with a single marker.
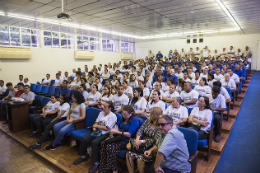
(105, 75)
(203, 87)
(93, 97)
(128, 90)
(132, 81)
(180, 86)
(115, 87)
(139, 103)
(97, 82)
(196, 80)
(205, 73)
(146, 91)
(107, 95)
(83, 91)
(75, 85)
(155, 102)
(84, 81)
(211, 79)
(114, 80)
(200, 117)
(185, 77)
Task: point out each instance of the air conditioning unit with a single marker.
(127, 56)
(15, 53)
(83, 54)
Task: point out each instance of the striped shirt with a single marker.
(174, 148)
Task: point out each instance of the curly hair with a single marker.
(79, 97)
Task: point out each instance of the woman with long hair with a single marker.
(155, 102)
(139, 103)
(203, 87)
(93, 97)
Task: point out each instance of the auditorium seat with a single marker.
(52, 82)
(57, 90)
(33, 87)
(103, 82)
(38, 89)
(44, 100)
(45, 90)
(50, 91)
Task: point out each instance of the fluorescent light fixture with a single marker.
(220, 3)
(104, 31)
(20, 16)
(2, 13)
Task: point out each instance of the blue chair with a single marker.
(111, 77)
(191, 137)
(6, 94)
(119, 118)
(33, 87)
(199, 96)
(91, 116)
(42, 79)
(52, 82)
(38, 89)
(104, 81)
(50, 91)
(204, 142)
(73, 78)
(34, 109)
(193, 86)
(45, 90)
(57, 90)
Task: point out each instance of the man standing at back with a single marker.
(159, 55)
(150, 54)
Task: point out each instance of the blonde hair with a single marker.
(155, 112)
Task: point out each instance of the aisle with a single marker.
(242, 152)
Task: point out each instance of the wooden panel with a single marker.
(15, 53)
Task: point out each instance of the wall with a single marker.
(217, 42)
(50, 60)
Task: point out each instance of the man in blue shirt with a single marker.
(159, 55)
(64, 88)
(238, 71)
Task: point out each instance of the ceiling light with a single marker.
(220, 3)
(2, 13)
(20, 16)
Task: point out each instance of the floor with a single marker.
(16, 159)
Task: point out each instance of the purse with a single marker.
(96, 135)
(140, 150)
(114, 139)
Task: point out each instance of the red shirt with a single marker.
(19, 93)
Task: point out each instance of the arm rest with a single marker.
(193, 160)
(54, 115)
(80, 124)
(193, 156)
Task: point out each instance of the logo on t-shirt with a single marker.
(188, 98)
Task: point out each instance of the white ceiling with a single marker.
(139, 17)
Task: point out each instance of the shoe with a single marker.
(93, 169)
(5, 122)
(51, 147)
(80, 160)
(35, 146)
(217, 138)
(33, 134)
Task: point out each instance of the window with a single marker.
(15, 36)
(94, 43)
(58, 40)
(30, 37)
(127, 47)
(66, 41)
(110, 45)
(4, 35)
(83, 43)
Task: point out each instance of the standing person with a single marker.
(150, 54)
(248, 53)
(205, 52)
(200, 117)
(76, 113)
(146, 136)
(231, 52)
(126, 128)
(159, 55)
(197, 53)
(106, 119)
(169, 159)
(64, 108)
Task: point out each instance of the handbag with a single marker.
(140, 150)
(96, 135)
(195, 127)
(114, 139)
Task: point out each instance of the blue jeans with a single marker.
(60, 129)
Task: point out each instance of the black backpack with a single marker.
(37, 103)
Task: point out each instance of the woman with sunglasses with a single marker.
(200, 117)
(149, 132)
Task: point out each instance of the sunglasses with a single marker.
(163, 124)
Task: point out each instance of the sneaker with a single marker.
(35, 146)
(80, 160)
(93, 169)
(51, 147)
(33, 134)
(48, 147)
(217, 138)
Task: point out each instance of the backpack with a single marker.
(37, 103)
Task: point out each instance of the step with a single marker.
(228, 125)
(233, 112)
(204, 166)
(217, 148)
(241, 95)
(238, 102)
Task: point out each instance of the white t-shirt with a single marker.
(166, 88)
(119, 101)
(217, 77)
(20, 82)
(210, 83)
(160, 104)
(146, 92)
(76, 112)
(176, 114)
(180, 76)
(197, 52)
(218, 102)
(187, 80)
(47, 80)
(141, 104)
(235, 77)
(133, 84)
(3, 89)
(106, 76)
(162, 83)
(205, 53)
(58, 82)
(178, 88)
(109, 120)
(189, 96)
(192, 75)
(216, 54)
(230, 84)
(113, 82)
(202, 90)
(201, 115)
(128, 90)
(85, 95)
(195, 82)
(148, 85)
(231, 51)
(65, 107)
(52, 106)
(73, 74)
(204, 75)
(106, 99)
(161, 92)
(94, 98)
(169, 95)
(224, 92)
(120, 76)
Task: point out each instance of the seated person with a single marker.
(20, 81)
(120, 100)
(132, 81)
(64, 88)
(43, 119)
(77, 113)
(2, 89)
(119, 76)
(157, 87)
(93, 97)
(211, 79)
(196, 80)
(233, 75)
(83, 91)
(90, 77)
(178, 112)
(189, 96)
(139, 103)
(223, 91)
(97, 82)
(185, 77)
(105, 119)
(218, 105)
(146, 91)
(63, 110)
(27, 95)
(218, 76)
(58, 80)
(160, 81)
(139, 76)
(107, 94)
(169, 95)
(113, 82)
(47, 80)
(201, 117)
(203, 87)
(146, 136)
(227, 82)
(155, 102)
(26, 82)
(105, 75)
(128, 90)
(169, 159)
(108, 152)
(66, 76)
(169, 81)
(147, 82)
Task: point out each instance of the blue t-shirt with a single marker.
(130, 127)
(66, 91)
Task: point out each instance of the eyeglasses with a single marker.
(163, 124)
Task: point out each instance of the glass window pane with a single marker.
(25, 31)
(4, 38)
(55, 42)
(79, 42)
(63, 43)
(46, 33)
(117, 46)
(96, 43)
(35, 41)
(14, 29)
(4, 28)
(85, 38)
(104, 45)
(63, 35)
(47, 41)
(70, 41)
(26, 40)
(15, 39)
(109, 45)
(85, 45)
(34, 31)
(55, 35)
(92, 44)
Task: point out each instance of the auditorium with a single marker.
(129, 86)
